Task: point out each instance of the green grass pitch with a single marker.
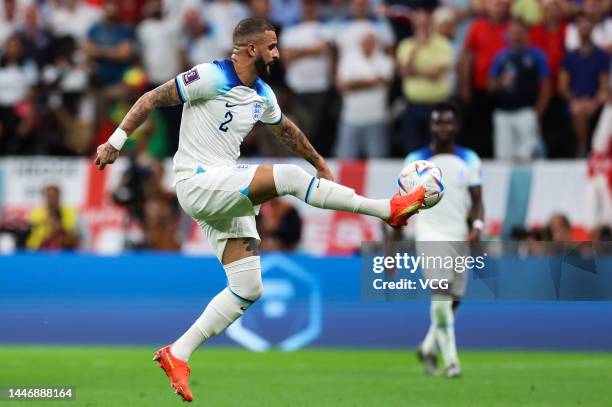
(123, 376)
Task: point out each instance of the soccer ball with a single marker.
(424, 173)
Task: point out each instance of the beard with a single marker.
(263, 68)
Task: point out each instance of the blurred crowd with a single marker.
(532, 78)
(359, 76)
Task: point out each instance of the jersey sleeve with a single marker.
(474, 166)
(272, 113)
(200, 82)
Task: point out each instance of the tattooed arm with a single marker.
(295, 140)
(163, 95)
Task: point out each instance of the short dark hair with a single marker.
(445, 107)
(250, 28)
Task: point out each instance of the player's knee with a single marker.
(254, 290)
(289, 178)
(244, 278)
(249, 285)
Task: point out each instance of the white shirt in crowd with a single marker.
(15, 82)
(346, 32)
(365, 106)
(160, 42)
(74, 23)
(313, 73)
(222, 17)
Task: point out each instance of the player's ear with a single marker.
(252, 50)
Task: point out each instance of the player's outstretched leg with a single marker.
(244, 288)
(289, 179)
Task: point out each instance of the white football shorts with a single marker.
(217, 199)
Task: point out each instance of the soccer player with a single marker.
(456, 218)
(222, 101)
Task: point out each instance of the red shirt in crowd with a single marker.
(552, 44)
(484, 40)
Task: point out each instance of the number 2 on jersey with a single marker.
(223, 126)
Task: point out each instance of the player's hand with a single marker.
(106, 154)
(474, 235)
(324, 172)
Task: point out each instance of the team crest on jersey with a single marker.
(257, 110)
(191, 76)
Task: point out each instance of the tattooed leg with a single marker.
(236, 249)
(244, 286)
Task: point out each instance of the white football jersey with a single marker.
(218, 113)
(447, 221)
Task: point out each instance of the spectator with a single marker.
(73, 18)
(109, 50)
(363, 77)
(520, 79)
(286, 12)
(529, 11)
(55, 226)
(9, 20)
(549, 37)
(484, 40)
(601, 34)
(335, 11)
(361, 22)
(560, 228)
(306, 50)
(130, 12)
(159, 41)
(424, 62)
(37, 40)
(281, 226)
(463, 12)
(602, 233)
(222, 16)
(68, 113)
(17, 76)
(200, 45)
(583, 82)
(161, 212)
(109, 47)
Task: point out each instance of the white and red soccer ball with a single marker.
(424, 173)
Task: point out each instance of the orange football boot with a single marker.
(176, 370)
(404, 206)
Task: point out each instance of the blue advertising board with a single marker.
(308, 301)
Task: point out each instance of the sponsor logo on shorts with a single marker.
(241, 167)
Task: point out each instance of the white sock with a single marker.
(244, 288)
(321, 193)
(445, 332)
(428, 346)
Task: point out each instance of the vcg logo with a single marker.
(288, 316)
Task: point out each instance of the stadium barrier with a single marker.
(308, 301)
